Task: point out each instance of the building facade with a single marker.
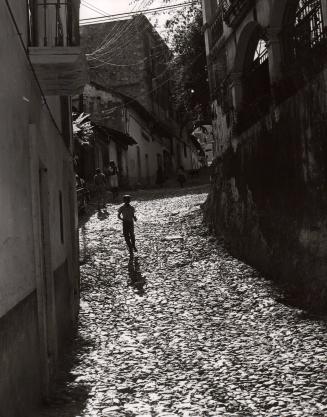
(39, 272)
(267, 73)
(135, 139)
(130, 58)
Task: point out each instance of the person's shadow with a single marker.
(136, 279)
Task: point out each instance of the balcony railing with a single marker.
(54, 52)
(52, 24)
(234, 10)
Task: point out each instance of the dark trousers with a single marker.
(128, 231)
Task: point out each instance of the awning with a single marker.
(105, 133)
(120, 138)
(101, 133)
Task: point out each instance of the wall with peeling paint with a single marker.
(269, 195)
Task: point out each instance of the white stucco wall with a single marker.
(28, 137)
(136, 129)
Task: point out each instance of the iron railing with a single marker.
(234, 9)
(52, 23)
(306, 32)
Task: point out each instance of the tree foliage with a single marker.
(188, 67)
(82, 129)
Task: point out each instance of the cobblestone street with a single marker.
(184, 329)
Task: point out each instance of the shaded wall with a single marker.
(38, 227)
(269, 194)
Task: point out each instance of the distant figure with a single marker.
(113, 179)
(126, 213)
(181, 176)
(100, 188)
(160, 176)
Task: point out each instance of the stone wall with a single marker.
(269, 193)
(121, 65)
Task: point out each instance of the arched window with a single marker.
(256, 80)
(256, 92)
(261, 53)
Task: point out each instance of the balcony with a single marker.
(53, 48)
(235, 10)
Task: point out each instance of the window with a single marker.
(261, 53)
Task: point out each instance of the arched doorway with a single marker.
(252, 65)
(256, 80)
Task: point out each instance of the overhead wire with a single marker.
(109, 111)
(118, 33)
(94, 8)
(144, 3)
(119, 49)
(106, 52)
(106, 62)
(144, 11)
(112, 51)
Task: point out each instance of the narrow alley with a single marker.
(184, 329)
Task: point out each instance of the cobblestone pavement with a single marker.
(185, 329)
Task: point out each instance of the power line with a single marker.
(125, 27)
(93, 8)
(144, 11)
(133, 99)
(113, 48)
(122, 28)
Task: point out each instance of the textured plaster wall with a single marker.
(29, 141)
(269, 195)
(150, 147)
(127, 62)
(22, 111)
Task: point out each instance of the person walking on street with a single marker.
(113, 179)
(126, 213)
(100, 188)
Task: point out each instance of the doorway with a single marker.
(147, 167)
(139, 168)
